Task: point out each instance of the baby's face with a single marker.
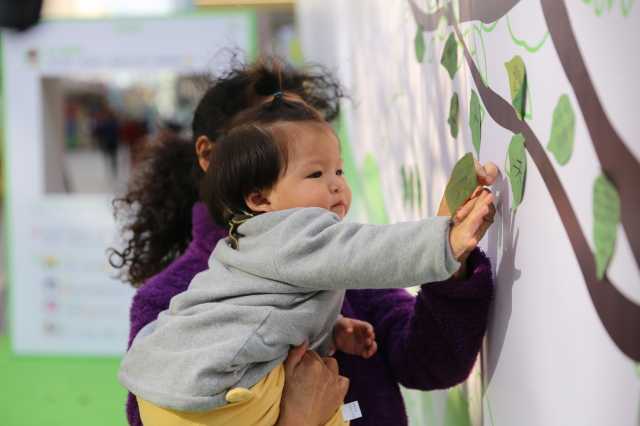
(314, 176)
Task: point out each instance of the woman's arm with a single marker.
(431, 341)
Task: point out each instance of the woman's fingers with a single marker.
(331, 364)
(343, 386)
(295, 356)
(314, 390)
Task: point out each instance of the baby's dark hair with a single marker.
(251, 156)
(155, 213)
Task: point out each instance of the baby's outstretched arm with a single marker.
(354, 337)
(315, 249)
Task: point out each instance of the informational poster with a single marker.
(65, 85)
(547, 90)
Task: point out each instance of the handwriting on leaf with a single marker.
(517, 84)
(475, 121)
(517, 169)
(462, 183)
(562, 131)
(454, 112)
(606, 216)
(419, 45)
(450, 55)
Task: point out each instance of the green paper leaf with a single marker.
(419, 44)
(606, 216)
(517, 84)
(462, 183)
(562, 131)
(475, 121)
(454, 112)
(450, 55)
(517, 171)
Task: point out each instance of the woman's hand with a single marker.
(313, 389)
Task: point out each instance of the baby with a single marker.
(215, 356)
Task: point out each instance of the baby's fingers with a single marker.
(483, 204)
(366, 332)
(468, 206)
(464, 210)
(476, 219)
(487, 174)
(487, 221)
(370, 350)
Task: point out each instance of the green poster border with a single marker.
(65, 390)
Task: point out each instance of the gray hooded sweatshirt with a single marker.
(284, 284)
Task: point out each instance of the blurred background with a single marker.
(98, 80)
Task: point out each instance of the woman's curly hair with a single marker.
(155, 213)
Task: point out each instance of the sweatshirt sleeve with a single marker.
(326, 346)
(431, 341)
(317, 250)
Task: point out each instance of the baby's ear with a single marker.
(258, 202)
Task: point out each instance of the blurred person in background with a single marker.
(106, 133)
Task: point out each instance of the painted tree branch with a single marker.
(489, 11)
(617, 313)
(618, 163)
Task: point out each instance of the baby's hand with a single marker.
(355, 337)
(471, 222)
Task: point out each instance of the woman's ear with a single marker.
(258, 202)
(203, 151)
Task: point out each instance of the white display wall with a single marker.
(564, 335)
(64, 298)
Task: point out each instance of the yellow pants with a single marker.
(259, 406)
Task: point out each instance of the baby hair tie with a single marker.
(234, 223)
(277, 97)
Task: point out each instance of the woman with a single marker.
(424, 342)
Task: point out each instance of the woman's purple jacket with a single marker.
(426, 342)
